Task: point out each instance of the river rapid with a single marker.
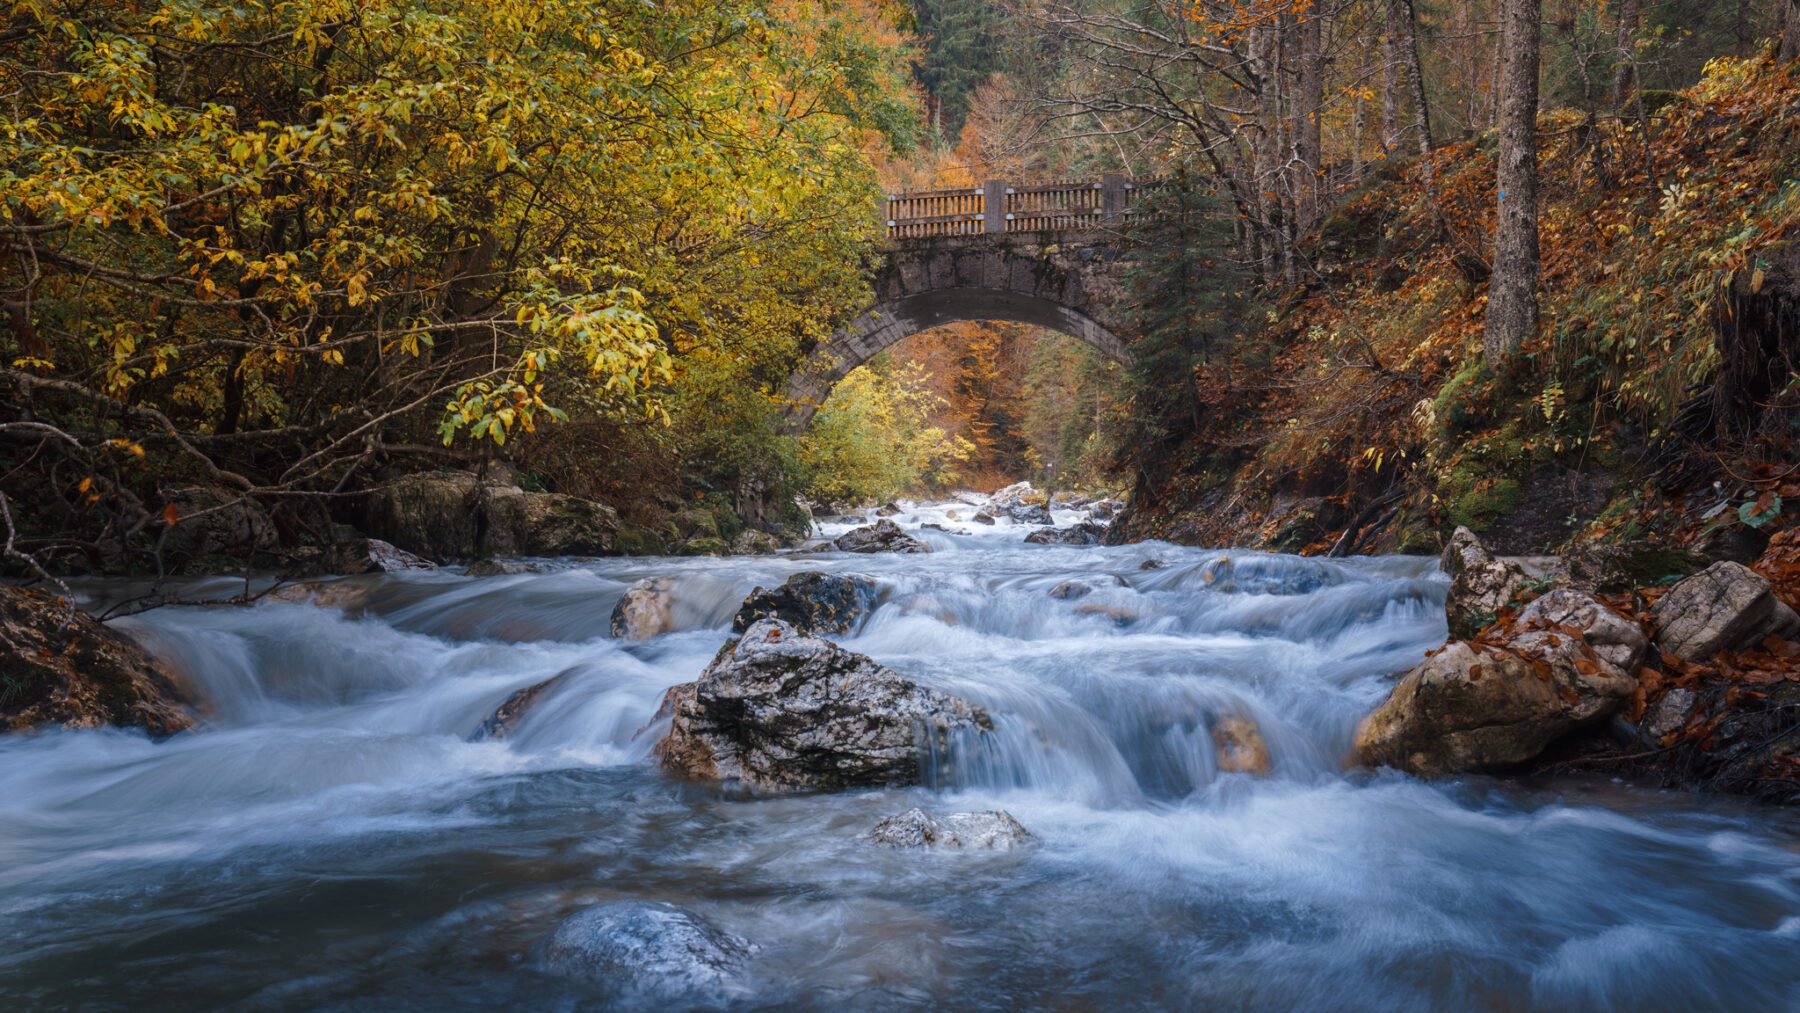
(332, 838)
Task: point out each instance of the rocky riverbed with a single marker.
(995, 774)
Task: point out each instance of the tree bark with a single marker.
(1391, 61)
(1512, 309)
(1309, 106)
(1788, 15)
(1625, 71)
(1415, 76)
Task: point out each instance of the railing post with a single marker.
(993, 206)
(1112, 198)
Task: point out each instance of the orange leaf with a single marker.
(171, 515)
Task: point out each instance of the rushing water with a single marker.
(331, 838)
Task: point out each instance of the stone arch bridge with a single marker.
(1050, 255)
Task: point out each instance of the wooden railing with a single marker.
(997, 207)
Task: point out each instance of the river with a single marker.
(331, 838)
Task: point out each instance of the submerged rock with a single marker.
(1480, 585)
(502, 568)
(812, 602)
(1724, 607)
(881, 536)
(990, 830)
(349, 596)
(511, 711)
(646, 610)
(779, 709)
(984, 516)
(1565, 661)
(1239, 747)
(61, 667)
(647, 950)
(1070, 589)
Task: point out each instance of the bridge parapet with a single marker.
(995, 207)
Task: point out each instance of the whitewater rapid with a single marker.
(332, 838)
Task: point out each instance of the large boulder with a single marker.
(60, 667)
(213, 523)
(751, 542)
(814, 603)
(1565, 661)
(551, 524)
(1480, 585)
(646, 610)
(1723, 607)
(881, 536)
(779, 709)
(458, 515)
(642, 950)
(991, 830)
(1022, 503)
(1608, 568)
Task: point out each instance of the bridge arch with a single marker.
(1067, 281)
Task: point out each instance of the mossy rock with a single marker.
(705, 545)
(633, 540)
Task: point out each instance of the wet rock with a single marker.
(1119, 615)
(1480, 585)
(991, 830)
(704, 545)
(778, 709)
(888, 510)
(348, 596)
(1022, 503)
(212, 521)
(952, 515)
(646, 950)
(1152, 564)
(755, 543)
(1085, 533)
(1613, 569)
(60, 667)
(371, 555)
(984, 516)
(1565, 661)
(881, 536)
(511, 711)
(1105, 510)
(502, 568)
(1239, 747)
(1070, 589)
(812, 602)
(1724, 607)
(647, 609)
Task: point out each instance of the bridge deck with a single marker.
(997, 207)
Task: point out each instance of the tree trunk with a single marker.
(1308, 110)
(1788, 15)
(1512, 309)
(1391, 61)
(1415, 76)
(1744, 39)
(1625, 71)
